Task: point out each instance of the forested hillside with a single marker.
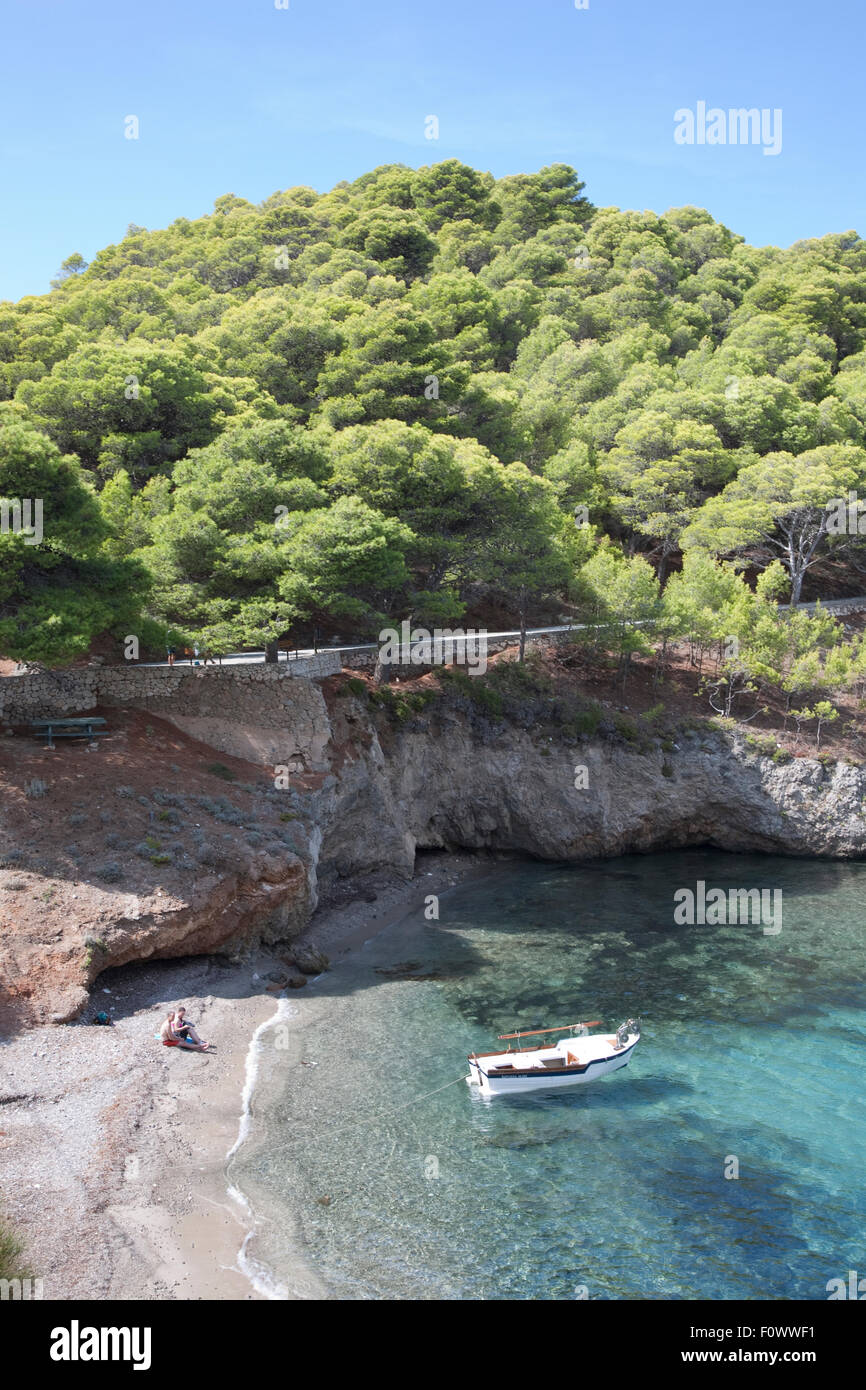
(426, 391)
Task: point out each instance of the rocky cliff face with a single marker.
(47, 975)
(463, 781)
(369, 791)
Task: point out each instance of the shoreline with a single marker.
(115, 1153)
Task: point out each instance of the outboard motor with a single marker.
(632, 1026)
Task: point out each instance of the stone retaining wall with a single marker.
(160, 688)
(838, 606)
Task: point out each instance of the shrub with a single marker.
(126, 792)
(161, 798)
(75, 820)
(353, 686)
(10, 1255)
(654, 714)
(625, 727)
(110, 872)
(35, 788)
(399, 703)
(767, 747)
(419, 699)
(220, 770)
(405, 705)
(585, 721)
(476, 688)
(764, 744)
(722, 722)
(533, 669)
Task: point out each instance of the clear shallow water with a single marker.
(752, 1047)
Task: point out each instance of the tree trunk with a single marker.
(661, 661)
(625, 665)
(522, 627)
(796, 586)
(272, 652)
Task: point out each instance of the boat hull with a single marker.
(517, 1082)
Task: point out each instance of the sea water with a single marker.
(726, 1161)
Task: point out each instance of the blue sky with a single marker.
(239, 96)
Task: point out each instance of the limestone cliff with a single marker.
(459, 780)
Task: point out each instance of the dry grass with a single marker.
(10, 1255)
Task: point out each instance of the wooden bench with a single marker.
(68, 728)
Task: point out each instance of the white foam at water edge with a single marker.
(257, 1275)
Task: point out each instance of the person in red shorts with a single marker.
(176, 1032)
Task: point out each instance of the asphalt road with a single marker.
(250, 658)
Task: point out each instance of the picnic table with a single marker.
(68, 728)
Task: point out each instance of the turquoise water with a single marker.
(752, 1050)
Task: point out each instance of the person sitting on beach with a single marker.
(176, 1032)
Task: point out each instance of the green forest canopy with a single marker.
(394, 399)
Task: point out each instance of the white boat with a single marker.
(573, 1061)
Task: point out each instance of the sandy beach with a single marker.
(113, 1149)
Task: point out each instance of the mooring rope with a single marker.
(394, 1110)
